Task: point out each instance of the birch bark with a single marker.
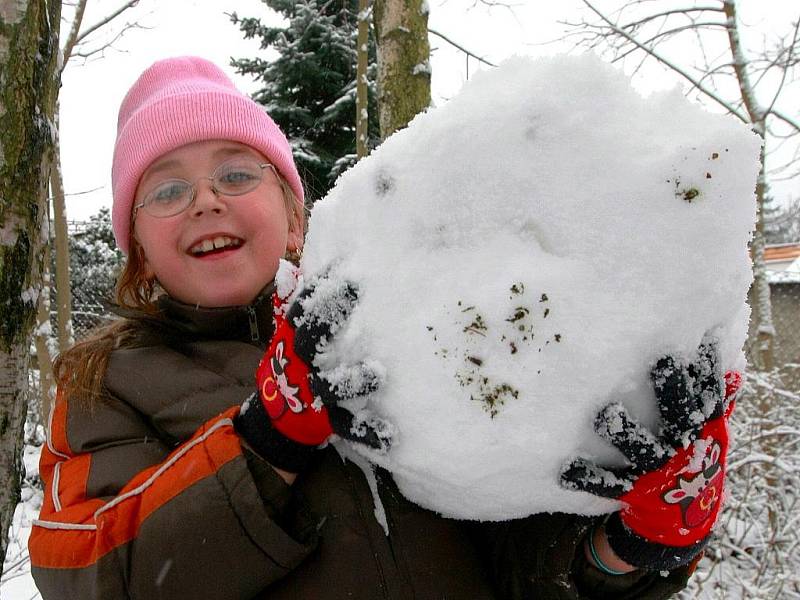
(362, 99)
(404, 72)
(28, 88)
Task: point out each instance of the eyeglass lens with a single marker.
(232, 178)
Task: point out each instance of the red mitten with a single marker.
(284, 386)
(672, 492)
(296, 406)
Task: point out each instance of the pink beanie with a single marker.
(178, 101)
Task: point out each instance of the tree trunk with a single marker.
(404, 72)
(362, 98)
(28, 88)
(762, 296)
(63, 287)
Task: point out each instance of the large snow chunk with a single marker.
(524, 254)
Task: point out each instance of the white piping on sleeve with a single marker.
(160, 471)
(70, 526)
(134, 492)
(49, 436)
(56, 482)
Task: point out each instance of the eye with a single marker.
(234, 177)
(168, 192)
(238, 175)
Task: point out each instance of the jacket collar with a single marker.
(251, 323)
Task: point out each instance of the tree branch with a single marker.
(740, 68)
(785, 69)
(667, 13)
(651, 41)
(101, 49)
(668, 63)
(495, 4)
(72, 38)
(677, 30)
(460, 47)
(107, 19)
(793, 123)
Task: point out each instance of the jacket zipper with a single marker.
(395, 549)
(255, 335)
(364, 520)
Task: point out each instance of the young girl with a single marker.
(167, 477)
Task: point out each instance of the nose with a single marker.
(207, 199)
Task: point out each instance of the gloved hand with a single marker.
(672, 491)
(297, 405)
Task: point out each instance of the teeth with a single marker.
(217, 242)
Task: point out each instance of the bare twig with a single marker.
(72, 38)
(460, 47)
(667, 13)
(106, 20)
(86, 54)
(669, 64)
(496, 4)
(785, 71)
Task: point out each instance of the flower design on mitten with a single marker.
(303, 400)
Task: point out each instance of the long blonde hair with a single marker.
(79, 371)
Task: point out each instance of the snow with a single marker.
(346, 452)
(789, 275)
(422, 68)
(699, 452)
(523, 255)
(783, 277)
(286, 282)
(30, 295)
(17, 582)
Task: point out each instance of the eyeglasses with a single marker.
(234, 177)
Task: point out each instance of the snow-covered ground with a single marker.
(16, 582)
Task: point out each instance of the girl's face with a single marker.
(256, 223)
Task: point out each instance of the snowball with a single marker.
(287, 281)
(523, 256)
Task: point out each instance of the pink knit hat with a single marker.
(178, 101)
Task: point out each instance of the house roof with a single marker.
(783, 263)
(782, 252)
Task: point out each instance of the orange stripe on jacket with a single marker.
(118, 521)
(58, 425)
(73, 471)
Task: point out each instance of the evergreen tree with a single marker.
(94, 259)
(310, 89)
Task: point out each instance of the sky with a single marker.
(93, 89)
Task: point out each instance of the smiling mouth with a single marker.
(216, 245)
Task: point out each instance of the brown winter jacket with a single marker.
(149, 494)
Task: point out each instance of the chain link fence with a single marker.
(93, 261)
(89, 311)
